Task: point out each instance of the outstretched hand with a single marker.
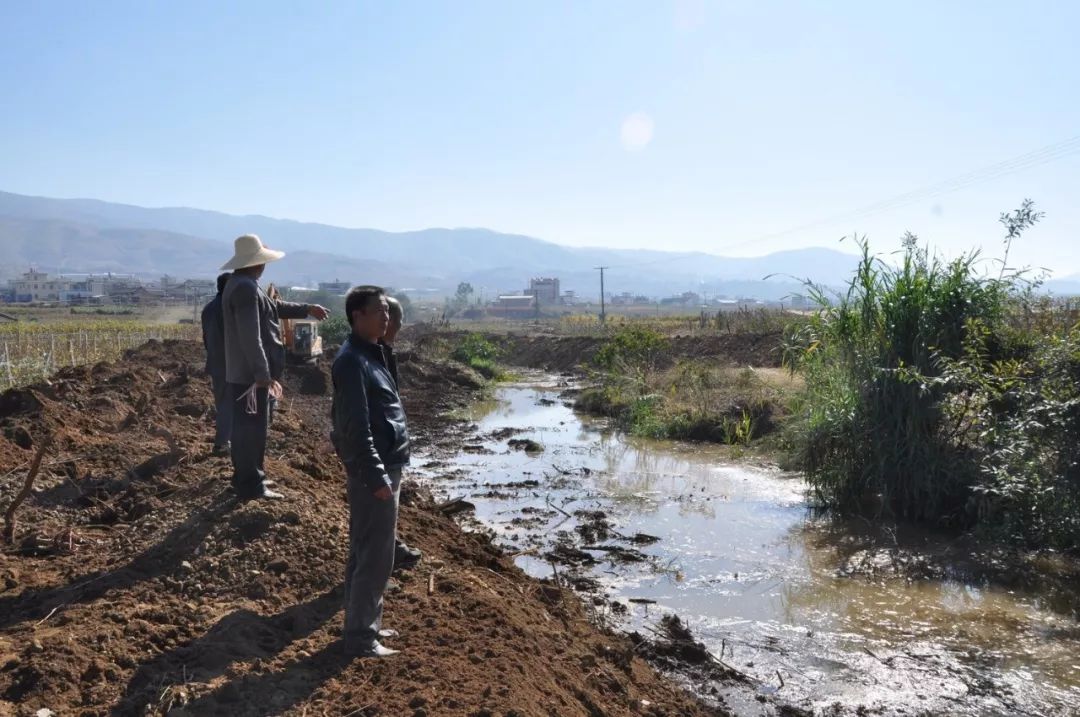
(318, 312)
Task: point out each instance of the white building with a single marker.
(38, 287)
(336, 287)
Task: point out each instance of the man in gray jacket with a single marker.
(254, 359)
(213, 331)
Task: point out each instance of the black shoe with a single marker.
(406, 558)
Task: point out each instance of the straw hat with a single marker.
(250, 251)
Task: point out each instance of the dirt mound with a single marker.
(568, 353)
(152, 591)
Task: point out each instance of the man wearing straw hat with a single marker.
(254, 359)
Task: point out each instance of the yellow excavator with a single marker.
(303, 345)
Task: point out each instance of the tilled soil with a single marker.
(136, 584)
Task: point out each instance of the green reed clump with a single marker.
(878, 425)
(481, 354)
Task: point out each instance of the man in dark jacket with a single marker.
(372, 438)
(254, 359)
(213, 331)
(405, 556)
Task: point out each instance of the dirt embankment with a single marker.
(568, 353)
(136, 585)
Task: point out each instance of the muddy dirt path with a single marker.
(817, 613)
(136, 584)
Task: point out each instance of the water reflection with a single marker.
(756, 576)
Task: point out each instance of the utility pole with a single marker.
(603, 315)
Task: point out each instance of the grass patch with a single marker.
(693, 400)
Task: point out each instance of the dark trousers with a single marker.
(223, 408)
(248, 440)
(372, 530)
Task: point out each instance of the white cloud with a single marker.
(637, 131)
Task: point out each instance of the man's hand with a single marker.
(384, 493)
(276, 389)
(318, 312)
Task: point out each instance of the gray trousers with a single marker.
(372, 531)
(248, 442)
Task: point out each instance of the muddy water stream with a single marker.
(759, 579)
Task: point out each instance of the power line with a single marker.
(1043, 155)
(1028, 160)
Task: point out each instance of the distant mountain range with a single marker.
(1065, 286)
(87, 235)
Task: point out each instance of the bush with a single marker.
(335, 329)
(928, 397)
(480, 354)
(634, 347)
(1020, 419)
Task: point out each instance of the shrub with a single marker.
(1020, 419)
(942, 393)
(335, 329)
(634, 347)
(479, 353)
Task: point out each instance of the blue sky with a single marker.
(713, 126)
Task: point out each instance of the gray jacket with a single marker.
(254, 350)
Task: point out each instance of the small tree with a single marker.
(460, 301)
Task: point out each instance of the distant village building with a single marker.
(39, 287)
(339, 288)
(141, 295)
(546, 291)
(191, 290)
(515, 306)
(34, 286)
(626, 299)
(687, 298)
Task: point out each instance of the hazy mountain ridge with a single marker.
(92, 235)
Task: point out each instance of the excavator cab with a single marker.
(302, 340)
(303, 345)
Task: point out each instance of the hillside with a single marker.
(91, 235)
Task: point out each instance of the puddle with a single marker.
(758, 579)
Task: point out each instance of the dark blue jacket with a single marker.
(213, 333)
(370, 432)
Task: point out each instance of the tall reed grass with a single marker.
(940, 391)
